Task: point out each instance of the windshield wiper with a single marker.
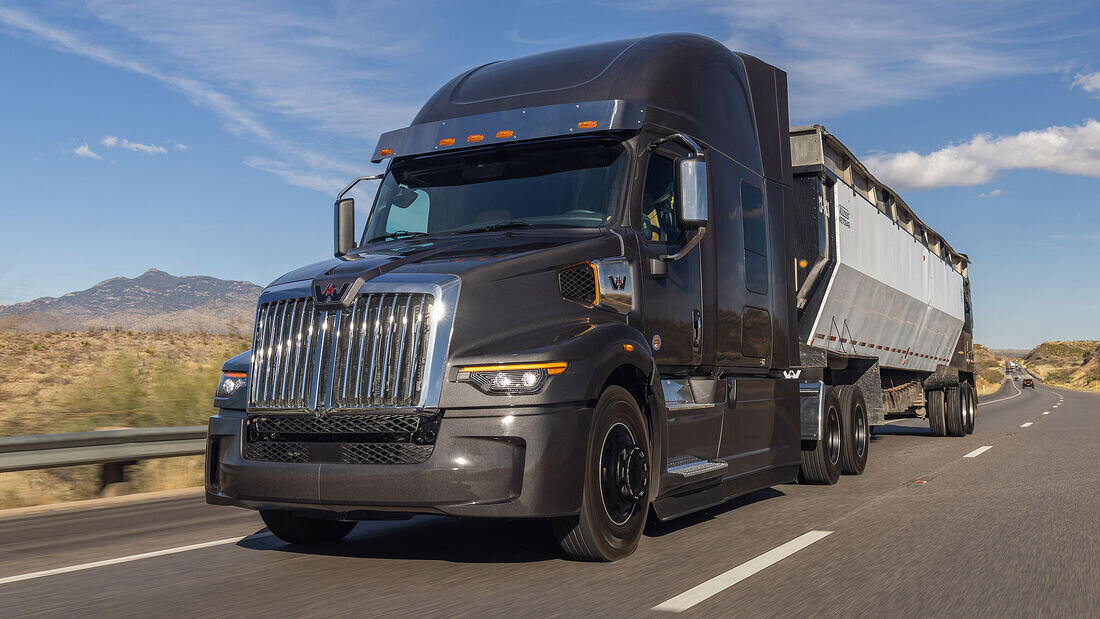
(508, 225)
(399, 234)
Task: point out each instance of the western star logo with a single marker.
(618, 282)
(327, 294)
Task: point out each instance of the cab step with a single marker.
(690, 466)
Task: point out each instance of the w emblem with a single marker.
(329, 293)
(618, 282)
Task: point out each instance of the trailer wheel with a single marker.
(856, 435)
(934, 402)
(821, 458)
(303, 529)
(955, 416)
(970, 406)
(616, 484)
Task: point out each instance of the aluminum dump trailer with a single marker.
(883, 301)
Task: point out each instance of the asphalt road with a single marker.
(926, 531)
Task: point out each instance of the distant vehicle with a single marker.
(1028, 383)
(1016, 378)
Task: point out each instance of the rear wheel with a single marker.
(970, 406)
(616, 485)
(821, 458)
(955, 417)
(856, 436)
(304, 530)
(934, 402)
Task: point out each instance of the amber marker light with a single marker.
(628, 347)
(446, 141)
(587, 124)
(385, 152)
(507, 133)
(477, 137)
(235, 374)
(802, 263)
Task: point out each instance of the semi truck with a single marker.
(595, 286)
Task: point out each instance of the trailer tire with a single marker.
(821, 458)
(856, 434)
(616, 485)
(955, 416)
(303, 529)
(970, 407)
(934, 402)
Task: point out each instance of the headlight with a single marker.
(523, 378)
(230, 383)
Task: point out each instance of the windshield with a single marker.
(564, 184)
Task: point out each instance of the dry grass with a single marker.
(78, 381)
(989, 370)
(1073, 365)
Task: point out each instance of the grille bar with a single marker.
(372, 355)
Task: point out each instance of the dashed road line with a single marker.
(979, 451)
(727, 579)
(115, 561)
(1026, 425)
(1046, 412)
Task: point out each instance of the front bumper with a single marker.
(495, 463)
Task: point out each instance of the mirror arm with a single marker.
(686, 140)
(690, 245)
(376, 177)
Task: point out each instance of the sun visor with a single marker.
(530, 123)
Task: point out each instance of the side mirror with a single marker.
(344, 226)
(693, 192)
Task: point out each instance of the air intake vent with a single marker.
(578, 283)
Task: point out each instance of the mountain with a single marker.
(1068, 364)
(152, 301)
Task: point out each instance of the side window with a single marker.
(756, 238)
(659, 208)
(409, 211)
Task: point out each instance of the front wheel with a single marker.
(616, 484)
(304, 530)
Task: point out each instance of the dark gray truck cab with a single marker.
(571, 301)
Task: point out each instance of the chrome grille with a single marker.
(371, 355)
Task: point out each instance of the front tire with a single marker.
(821, 458)
(616, 484)
(304, 530)
(856, 436)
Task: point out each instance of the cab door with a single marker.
(672, 306)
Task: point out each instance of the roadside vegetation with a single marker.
(89, 380)
(989, 370)
(1074, 364)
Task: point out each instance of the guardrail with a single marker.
(113, 449)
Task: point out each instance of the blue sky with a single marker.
(211, 137)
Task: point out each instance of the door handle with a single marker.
(696, 327)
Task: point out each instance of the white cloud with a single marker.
(991, 194)
(178, 146)
(149, 149)
(1089, 82)
(301, 178)
(84, 151)
(1066, 150)
(847, 55)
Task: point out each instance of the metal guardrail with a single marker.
(108, 447)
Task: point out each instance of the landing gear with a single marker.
(821, 458)
(616, 485)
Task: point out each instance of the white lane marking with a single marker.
(1046, 412)
(727, 579)
(1026, 425)
(138, 557)
(979, 451)
(1018, 392)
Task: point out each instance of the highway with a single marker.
(1003, 522)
